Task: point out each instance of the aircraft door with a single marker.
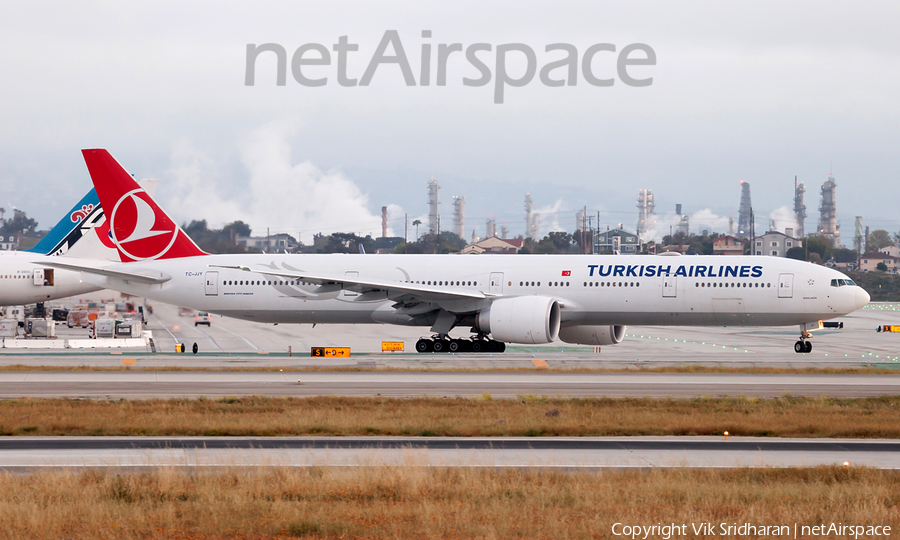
(212, 284)
(670, 286)
(345, 293)
(786, 286)
(43, 278)
(496, 285)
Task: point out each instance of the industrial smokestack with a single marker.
(799, 207)
(459, 216)
(529, 232)
(828, 227)
(745, 213)
(384, 221)
(433, 188)
(646, 210)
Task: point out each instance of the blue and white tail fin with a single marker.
(82, 226)
(71, 227)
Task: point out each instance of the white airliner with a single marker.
(582, 299)
(23, 280)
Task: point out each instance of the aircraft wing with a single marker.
(108, 272)
(395, 290)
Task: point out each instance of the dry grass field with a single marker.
(458, 417)
(421, 503)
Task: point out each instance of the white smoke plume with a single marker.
(706, 219)
(665, 224)
(784, 218)
(283, 195)
(549, 220)
(292, 196)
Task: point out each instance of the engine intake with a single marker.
(530, 320)
(592, 335)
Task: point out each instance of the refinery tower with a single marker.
(745, 214)
(646, 211)
(828, 226)
(799, 207)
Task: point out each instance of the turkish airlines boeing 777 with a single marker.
(582, 299)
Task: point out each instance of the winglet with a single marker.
(139, 228)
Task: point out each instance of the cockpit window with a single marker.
(841, 282)
(849, 282)
(834, 283)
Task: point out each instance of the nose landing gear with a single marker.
(803, 346)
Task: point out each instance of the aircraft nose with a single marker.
(862, 298)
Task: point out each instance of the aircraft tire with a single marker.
(424, 345)
(477, 346)
(799, 347)
(492, 346)
(453, 345)
(441, 345)
(808, 347)
(502, 346)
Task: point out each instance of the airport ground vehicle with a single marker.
(579, 299)
(202, 318)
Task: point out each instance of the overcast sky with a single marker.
(759, 91)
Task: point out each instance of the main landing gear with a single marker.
(803, 346)
(443, 344)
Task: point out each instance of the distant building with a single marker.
(494, 245)
(728, 245)
(891, 250)
(276, 242)
(869, 262)
(775, 244)
(9, 242)
(624, 242)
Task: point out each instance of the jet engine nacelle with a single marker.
(592, 335)
(525, 319)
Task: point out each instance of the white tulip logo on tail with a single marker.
(138, 230)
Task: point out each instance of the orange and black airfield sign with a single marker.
(329, 351)
(392, 346)
(889, 328)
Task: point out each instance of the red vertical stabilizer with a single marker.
(138, 227)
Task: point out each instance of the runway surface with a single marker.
(236, 343)
(30, 453)
(161, 384)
